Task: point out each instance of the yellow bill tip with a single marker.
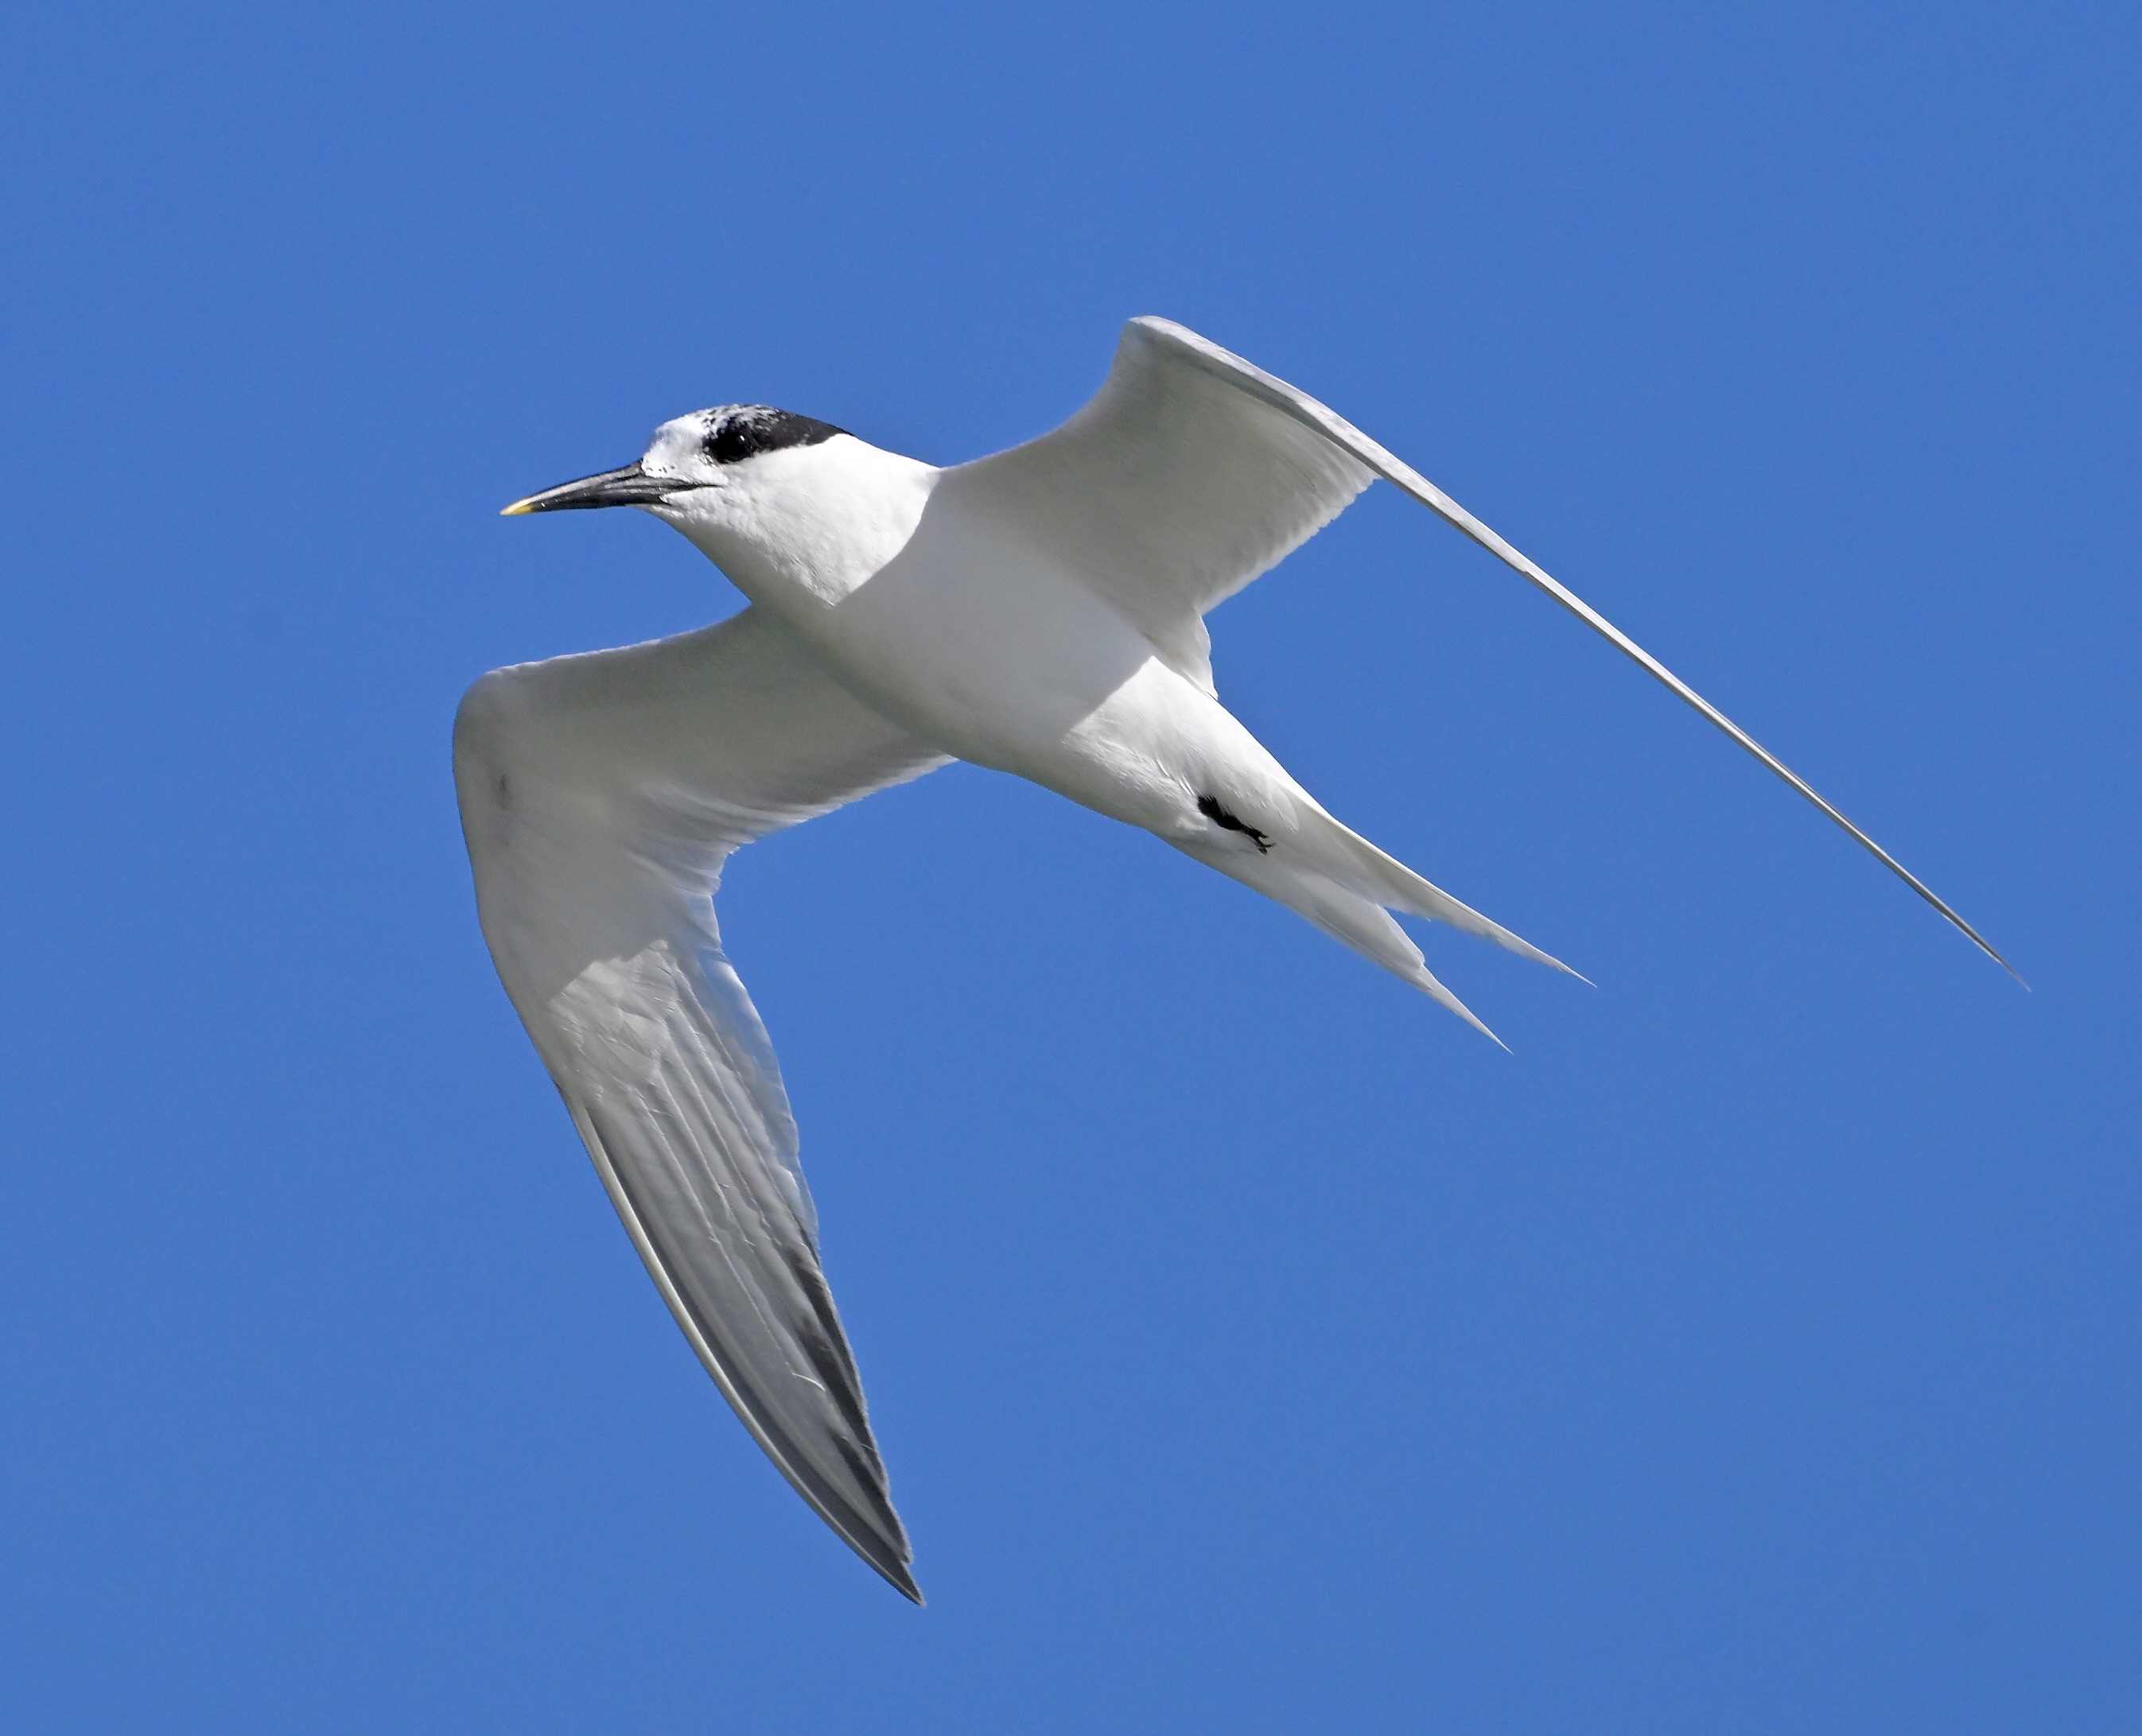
(518, 508)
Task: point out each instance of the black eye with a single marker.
(743, 434)
(729, 442)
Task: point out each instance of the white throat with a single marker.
(801, 529)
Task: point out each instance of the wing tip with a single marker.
(2022, 982)
(1976, 938)
(889, 1563)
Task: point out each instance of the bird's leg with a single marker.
(1209, 807)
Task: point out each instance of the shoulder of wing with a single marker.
(522, 730)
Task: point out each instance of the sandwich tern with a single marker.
(1040, 612)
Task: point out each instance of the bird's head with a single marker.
(775, 500)
(692, 462)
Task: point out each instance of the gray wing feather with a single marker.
(600, 796)
(1208, 471)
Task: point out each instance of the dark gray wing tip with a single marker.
(887, 1558)
(883, 1546)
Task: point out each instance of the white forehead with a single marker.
(731, 434)
(678, 445)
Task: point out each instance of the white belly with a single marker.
(1029, 671)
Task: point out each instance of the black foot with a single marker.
(1210, 807)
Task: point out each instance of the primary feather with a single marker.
(600, 795)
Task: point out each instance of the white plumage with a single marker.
(1040, 611)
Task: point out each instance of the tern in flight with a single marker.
(1040, 612)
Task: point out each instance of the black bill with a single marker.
(631, 486)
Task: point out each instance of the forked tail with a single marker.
(1341, 882)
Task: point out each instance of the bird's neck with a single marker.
(808, 532)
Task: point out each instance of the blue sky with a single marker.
(1254, 1347)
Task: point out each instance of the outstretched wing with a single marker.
(1171, 490)
(600, 795)
(1192, 472)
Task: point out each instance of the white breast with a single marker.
(945, 618)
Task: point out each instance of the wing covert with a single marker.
(1170, 490)
(600, 795)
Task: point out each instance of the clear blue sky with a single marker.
(1255, 1348)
